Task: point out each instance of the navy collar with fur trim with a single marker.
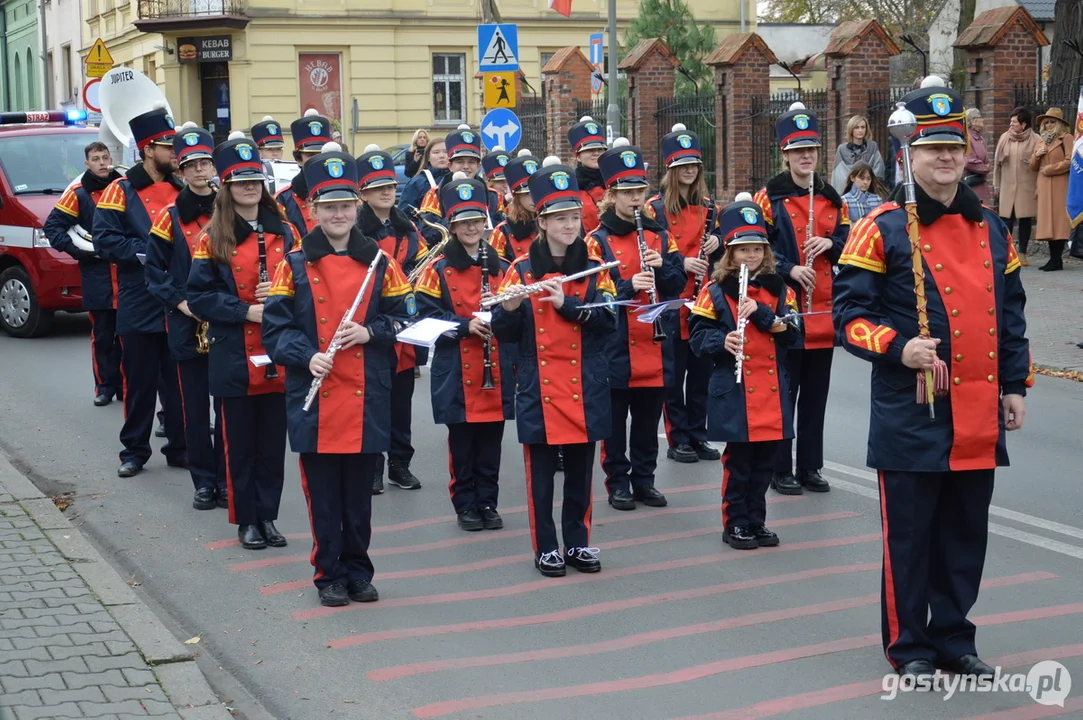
(372, 226)
(92, 183)
(522, 231)
(772, 283)
(360, 247)
(140, 179)
(966, 203)
(191, 207)
(457, 257)
(299, 186)
(619, 227)
(783, 186)
(269, 219)
(542, 263)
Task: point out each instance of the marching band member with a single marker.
(76, 208)
(492, 167)
(562, 395)
(684, 208)
(963, 322)
(472, 387)
(379, 219)
(126, 211)
(309, 135)
(316, 290)
(169, 260)
(587, 139)
(228, 285)
(807, 256)
(728, 324)
(464, 155)
(267, 134)
(512, 237)
(641, 362)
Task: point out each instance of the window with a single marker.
(448, 88)
(546, 57)
(65, 72)
(35, 164)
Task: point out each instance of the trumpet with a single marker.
(652, 294)
(436, 250)
(202, 345)
(537, 287)
(742, 293)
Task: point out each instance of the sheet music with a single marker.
(424, 333)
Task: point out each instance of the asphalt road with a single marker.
(675, 626)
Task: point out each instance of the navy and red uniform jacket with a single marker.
(126, 211)
(785, 208)
(686, 229)
(512, 239)
(222, 294)
(591, 192)
(294, 201)
(562, 378)
(169, 262)
(635, 359)
(450, 289)
(434, 213)
(312, 291)
(76, 206)
(401, 241)
(975, 307)
(758, 409)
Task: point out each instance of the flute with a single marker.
(742, 293)
(537, 287)
(809, 232)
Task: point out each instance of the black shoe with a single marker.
(417, 371)
(204, 499)
(378, 483)
(251, 538)
(583, 559)
(560, 459)
(490, 518)
(786, 484)
(221, 497)
(916, 668)
(740, 537)
(334, 595)
(764, 537)
(622, 500)
(682, 453)
(129, 469)
(179, 462)
(102, 400)
(271, 535)
(813, 481)
(362, 591)
(969, 665)
(159, 431)
(470, 521)
(649, 496)
(705, 451)
(1052, 266)
(398, 473)
(550, 564)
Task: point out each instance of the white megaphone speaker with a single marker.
(125, 93)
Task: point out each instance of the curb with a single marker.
(173, 664)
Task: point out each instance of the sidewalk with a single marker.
(75, 640)
(1055, 313)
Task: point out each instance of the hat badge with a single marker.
(940, 104)
(801, 121)
(244, 152)
(191, 139)
(684, 141)
(592, 128)
(749, 215)
(502, 160)
(376, 162)
(468, 137)
(315, 128)
(628, 157)
(272, 129)
(530, 166)
(465, 192)
(169, 121)
(560, 180)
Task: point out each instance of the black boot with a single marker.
(378, 478)
(786, 484)
(1056, 256)
(398, 473)
(739, 537)
(812, 481)
(251, 538)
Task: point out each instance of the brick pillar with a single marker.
(741, 74)
(649, 67)
(566, 78)
(1003, 47)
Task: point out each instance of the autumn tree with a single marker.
(672, 22)
(1065, 62)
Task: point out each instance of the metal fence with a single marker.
(880, 106)
(766, 157)
(697, 113)
(1038, 98)
(599, 106)
(531, 112)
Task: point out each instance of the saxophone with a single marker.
(202, 346)
(436, 250)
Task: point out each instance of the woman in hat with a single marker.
(726, 326)
(308, 329)
(492, 166)
(1052, 159)
(512, 237)
(472, 379)
(309, 132)
(228, 286)
(587, 140)
(562, 395)
(685, 209)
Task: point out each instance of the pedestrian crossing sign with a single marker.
(499, 90)
(498, 48)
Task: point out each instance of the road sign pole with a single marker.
(612, 113)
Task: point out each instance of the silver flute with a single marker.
(809, 232)
(538, 286)
(742, 293)
(334, 347)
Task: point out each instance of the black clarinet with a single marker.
(708, 225)
(652, 294)
(270, 372)
(487, 361)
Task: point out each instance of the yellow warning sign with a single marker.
(499, 89)
(98, 61)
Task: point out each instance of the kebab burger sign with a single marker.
(215, 48)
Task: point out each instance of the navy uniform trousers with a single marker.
(935, 528)
(810, 379)
(105, 353)
(340, 508)
(203, 460)
(254, 454)
(631, 467)
(686, 401)
(575, 514)
(746, 475)
(402, 404)
(147, 367)
(474, 464)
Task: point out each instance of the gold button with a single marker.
(240, 287)
(992, 311)
(957, 380)
(787, 201)
(774, 388)
(574, 363)
(770, 339)
(321, 300)
(987, 263)
(323, 340)
(958, 333)
(249, 332)
(992, 331)
(955, 313)
(770, 357)
(752, 389)
(308, 263)
(466, 366)
(250, 348)
(541, 331)
(528, 275)
(771, 371)
(541, 348)
(989, 288)
(748, 357)
(237, 268)
(458, 304)
(323, 321)
(959, 357)
(278, 250)
(357, 355)
(939, 266)
(623, 266)
(465, 351)
(323, 394)
(982, 243)
(575, 328)
(234, 252)
(927, 248)
(357, 393)
(453, 288)
(541, 310)
(188, 232)
(544, 363)
(545, 381)
(947, 290)
(469, 382)
(992, 356)
(991, 378)
(793, 215)
(631, 342)
(575, 381)
(575, 397)
(548, 400)
(748, 372)
(316, 281)
(619, 252)
(448, 272)
(574, 346)
(981, 223)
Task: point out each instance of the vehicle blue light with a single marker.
(76, 115)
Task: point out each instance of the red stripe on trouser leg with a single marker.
(226, 463)
(311, 522)
(588, 516)
(98, 381)
(530, 498)
(725, 481)
(890, 607)
(450, 471)
(124, 380)
(184, 412)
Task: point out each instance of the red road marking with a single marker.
(411, 524)
(512, 559)
(697, 672)
(640, 639)
(1033, 712)
(577, 579)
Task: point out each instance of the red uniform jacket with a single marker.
(512, 239)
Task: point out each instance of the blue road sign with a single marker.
(498, 48)
(501, 127)
(597, 59)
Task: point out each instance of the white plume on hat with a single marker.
(267, 118)
(586, 118)
(190, 125)
(679, 127)
(797, 105)
(371, 147)
(236, 135)
(311, 112)
(159, 105)
(464, 126)
(621, 142)
(933, 81)
(522, 153)
(331, 147)
(459, 176)
(743, 197)
(497, 148)
(550, 161)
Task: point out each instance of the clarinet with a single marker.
(708, 224)
(808, 236)
(487, 360)
(270, 372)
(652, 293)
(742, 293)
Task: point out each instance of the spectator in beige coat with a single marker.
(1051, 160)
(1014, 182)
